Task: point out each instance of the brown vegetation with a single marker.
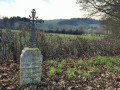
(53, 46)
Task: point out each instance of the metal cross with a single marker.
(32, 33)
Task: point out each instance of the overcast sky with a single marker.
(46, 9)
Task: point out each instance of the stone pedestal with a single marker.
(30, 66)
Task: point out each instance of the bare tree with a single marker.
(110, 10)
(110, 7)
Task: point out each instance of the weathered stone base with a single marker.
(30, 66)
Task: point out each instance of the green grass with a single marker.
(16, 31)
(90, 62)
(61, 65)
(96, 70)
(92, 37)
(88, 36)
(63, 62)
(116, 69)
(71, 73)
(80, 63)
(51, 62)
(87, 75)
(80, 36)
(85, 68)
(79, 72)
(51, 72)
(101, 60)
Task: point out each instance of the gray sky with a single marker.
(46, 9)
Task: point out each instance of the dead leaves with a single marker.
(9, 78)
(8, 75)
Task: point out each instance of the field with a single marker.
(85, 36)
(88, 36)
(96, 73)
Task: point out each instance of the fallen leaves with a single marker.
(10, 87)
(8, 75)
(9, 78)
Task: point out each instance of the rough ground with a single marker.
(9, 78)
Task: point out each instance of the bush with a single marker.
(53, 46)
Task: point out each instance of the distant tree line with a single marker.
(77, 21)
(63, 31)
(15, 23)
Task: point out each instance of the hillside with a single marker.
(73, 21)
(67, 24)
(55, 21)
(78, 21)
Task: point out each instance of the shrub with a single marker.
(54, 46)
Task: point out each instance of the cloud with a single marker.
(46, 9)
(6, 1)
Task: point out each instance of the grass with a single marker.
(90, 62)
(101, 60)
(80, 63)
(52, 71)
(80, 36)
(80, 72)
(71, 73)
(87, 75)
(63, 62)
(92, 37)
(92, 65)
(96, 70)
(51, 62)
(116, 69)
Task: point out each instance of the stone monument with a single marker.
(31, 60)
(30, 66)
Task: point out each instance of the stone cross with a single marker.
(31, 60)
(33, 21)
